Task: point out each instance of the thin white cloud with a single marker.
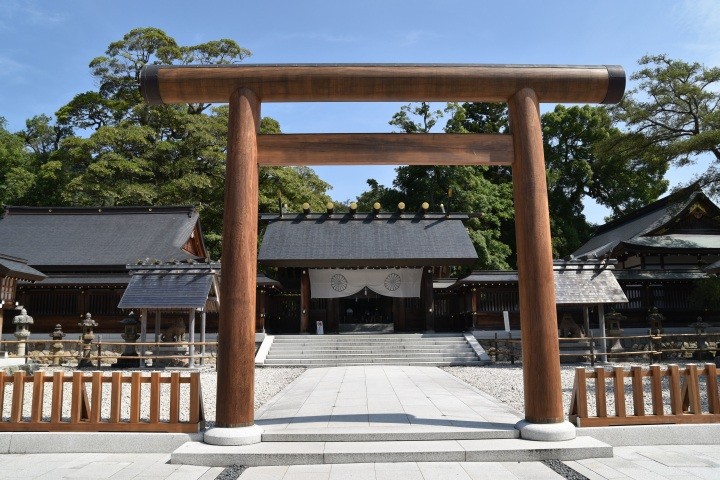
(701, 21)
(11, 68)
(417, 36)
(27, 12)
(315, 36)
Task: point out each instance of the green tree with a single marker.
(572, 137)
(427, 118)
(16, 176)
(470, 187)
(110, 148)
(674, 111)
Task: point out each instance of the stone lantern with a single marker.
(129, 359)
(655, 319)
(613, 321)
(87, 324)
(22, 332)
(702, 345)
(57, 347)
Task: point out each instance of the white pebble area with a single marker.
(268, 382)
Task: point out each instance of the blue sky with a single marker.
(45, 47)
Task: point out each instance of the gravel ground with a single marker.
(268, 382)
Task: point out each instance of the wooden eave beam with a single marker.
(381, 82)
(385, 149)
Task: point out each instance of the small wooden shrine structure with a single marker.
(661, 251)
(361, 271)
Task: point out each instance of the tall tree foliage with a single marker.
(579, 144)
(674, 114)
(470, 187)
(585, 158)
(16, 175)
(107, 147)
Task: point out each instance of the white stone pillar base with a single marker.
(233, 436)
(546, 432)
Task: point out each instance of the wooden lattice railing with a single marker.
(129, 407)
(676, 395)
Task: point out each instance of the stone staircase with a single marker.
(376, 349)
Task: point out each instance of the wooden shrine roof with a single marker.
(18, 268)
(576, 283)
(366, 240)
(64, 237)
(686, 221)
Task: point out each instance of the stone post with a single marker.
(88, 334)
(57, 347)
(22, 332)
(129, 357)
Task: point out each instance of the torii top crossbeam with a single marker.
(382, 82)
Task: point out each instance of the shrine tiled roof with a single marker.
(170, 286)
(64, 237)
(366, 240)
(576, 283)
(651, 227)
(19, 269)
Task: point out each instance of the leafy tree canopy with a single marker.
(674, 112)
(586, 157)
(107, 147)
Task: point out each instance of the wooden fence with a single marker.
(107, 353)
(125, 411)
(650, 347)
(677, 395)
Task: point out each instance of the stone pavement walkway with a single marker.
(662, 462)
(115, 466)
(387, 402)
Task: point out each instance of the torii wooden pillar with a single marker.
(522, 86)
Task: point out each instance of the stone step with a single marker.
(393, 433)
(365, 350)
(312, 453)
(368, 361)
(340, 363)
(361, 356)
(371, 342)
(403, 349)
(375, 335)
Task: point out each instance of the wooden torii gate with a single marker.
(245, 87)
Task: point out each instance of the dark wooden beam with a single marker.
(382, 82)
(385, 149)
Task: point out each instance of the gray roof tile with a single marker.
(638, 224)
(108, 236)
(19, 269)
(366, 240)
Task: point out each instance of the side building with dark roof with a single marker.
(84, 252)
(662, 250)
(361, 271)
